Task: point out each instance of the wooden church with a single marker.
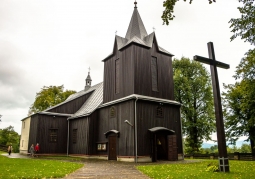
(130, 116)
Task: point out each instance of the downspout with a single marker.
(67, 151)
(135, 132)
(182, 135)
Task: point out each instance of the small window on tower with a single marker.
(159, 111)
(112, 112)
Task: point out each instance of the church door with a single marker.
(161, 144)
(112, 148)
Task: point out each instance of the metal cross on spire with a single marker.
(135, 3)
(223, 157)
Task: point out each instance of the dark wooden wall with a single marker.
(33, 130)
(86, 135)
(125, 111)
(40, 130)
(126, 78)
(135, 73)
(71, 106)
(146, 119)
(143, 82)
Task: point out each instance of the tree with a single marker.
(9, 137)
(239, 103)
(169, 10)
(245, 25)
(48, 97)
(193, 90)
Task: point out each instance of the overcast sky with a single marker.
(45, 43)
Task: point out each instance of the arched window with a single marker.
(112, 112)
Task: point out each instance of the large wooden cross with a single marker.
(223, 160)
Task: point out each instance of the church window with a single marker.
(53, 135)
(112, 112)
(74, 135)
(117, 76)
(154, 74)
(159, 111)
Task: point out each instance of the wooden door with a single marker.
(112, 148)
(161, 147)
(172, 148)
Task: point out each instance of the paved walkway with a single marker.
(106, 169)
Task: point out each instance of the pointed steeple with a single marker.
(88, 81)
(136, 27)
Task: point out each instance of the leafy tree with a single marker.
(193, 90)
(245, 148)
(245, 25)
(9, 137)
(169, 9)
(48, 97)
(239, 103)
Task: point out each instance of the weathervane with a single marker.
(153, 29)
(89, 70)
(135, 3)
(116, 32)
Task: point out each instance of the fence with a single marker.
(231, 156)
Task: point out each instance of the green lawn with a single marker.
(238, 170)
(35, 168)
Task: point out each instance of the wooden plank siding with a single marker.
(143, 74)
(86, 135)
(71, 106)
(126, 75)
(33, 131)
(135, 73)
(146, 119)
(125, 142)
(40, 133)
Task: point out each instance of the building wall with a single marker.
(126, 84)
(135, 73)
(24, 138)
(147, 119)
(125, 141)
(143, 74)
(40, 133)
(71, 106)
(86, 135)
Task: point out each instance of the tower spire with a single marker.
(88, 81)
(136, 27)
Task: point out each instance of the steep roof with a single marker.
(137, 34)
(136, 27)
(92, 103)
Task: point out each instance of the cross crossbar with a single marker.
(211, 62)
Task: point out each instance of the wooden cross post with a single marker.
(223, 160)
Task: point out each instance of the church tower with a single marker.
(138, 65)
(88, 81)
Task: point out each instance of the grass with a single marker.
(36, 168)
(238, 170)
